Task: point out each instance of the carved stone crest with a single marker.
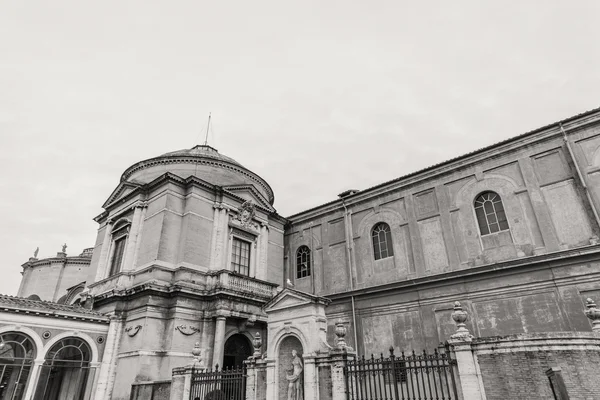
(245, 214)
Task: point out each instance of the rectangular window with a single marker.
(240, 257)
(118, 252)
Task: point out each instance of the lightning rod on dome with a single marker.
(207, 129)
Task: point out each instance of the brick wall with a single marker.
(520, 372)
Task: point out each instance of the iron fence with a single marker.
(225, 384)
(417, 376)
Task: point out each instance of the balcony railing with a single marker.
(228, 280)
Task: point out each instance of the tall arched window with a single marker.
(302, 262)
(119, 239)
(17, 353)
(66, 373)
(382, 241)
(490, 213)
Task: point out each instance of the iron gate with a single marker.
(407, 377)
(225, 384)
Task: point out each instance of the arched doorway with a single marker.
(17, 353)
(237, 349)
(66, 373)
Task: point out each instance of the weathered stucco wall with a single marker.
(433, 223)
(439, 254)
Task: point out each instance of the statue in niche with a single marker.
(294, 377)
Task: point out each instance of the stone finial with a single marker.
(257, 344)
(593, 314)
(460, 317)
(35, 253)
(340, 332)
(197, 354)
(64, 248)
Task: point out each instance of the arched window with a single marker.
(17, 353)
(302, 262)
(490, 213)
(382, 241)
(66, 373)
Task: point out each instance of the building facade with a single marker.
(190, 249)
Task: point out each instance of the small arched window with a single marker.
(490, 213)
(302, 262)
(382, 241)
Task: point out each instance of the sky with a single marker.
(317, 97)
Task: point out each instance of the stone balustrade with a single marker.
(242, 284)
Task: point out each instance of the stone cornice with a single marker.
(545, 133)
(200, 160)
(75, 260)
(549, 260)
(169, 177)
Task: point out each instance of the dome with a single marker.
(202, 151)
(201, 161)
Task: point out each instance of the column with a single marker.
(219, 343)
(33, 377)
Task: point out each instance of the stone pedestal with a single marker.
(181, 383)
(471, 384)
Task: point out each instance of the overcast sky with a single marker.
(315, 96)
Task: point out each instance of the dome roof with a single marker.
(202, 161)
(202, 151)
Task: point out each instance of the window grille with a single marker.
(118, 252)
(302, 262)
(240, 257)
(490, 214)
(382, 241)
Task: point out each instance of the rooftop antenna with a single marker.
(207, 128)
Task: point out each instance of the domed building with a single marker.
(190, 250)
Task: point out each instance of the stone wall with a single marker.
(541, 294)
(515, 366)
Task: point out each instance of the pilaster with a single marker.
(104, 252)
(134, 232)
